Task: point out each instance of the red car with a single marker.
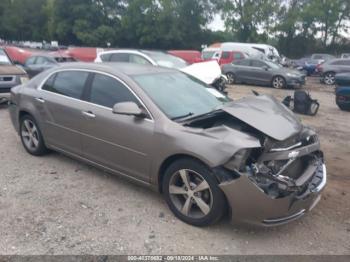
(227, 57)
(85, 54)
(190, 56)
(18, 55)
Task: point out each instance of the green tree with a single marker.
(246, 19)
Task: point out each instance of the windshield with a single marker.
(179, 95)
(4, 59)
(273, 65)
(166, 60)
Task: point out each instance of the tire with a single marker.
(329, 78)
(344, 108)
(231, 78)
(31, 136)
(203, 207)
(279, 82)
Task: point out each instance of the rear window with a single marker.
(237, 56)
(68, 83)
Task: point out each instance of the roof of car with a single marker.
(124, 68)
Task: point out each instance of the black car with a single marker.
(39, 63)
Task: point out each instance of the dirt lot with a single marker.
(55, 205)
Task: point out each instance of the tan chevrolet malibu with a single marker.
(208, 155)
(10, 74)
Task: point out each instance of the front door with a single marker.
(119, 142)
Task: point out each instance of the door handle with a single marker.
(89, 114)
(40, 100)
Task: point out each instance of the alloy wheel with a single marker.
(231, 78)
(329, 79)
(278, 82)
(30, 135)
(190, 193)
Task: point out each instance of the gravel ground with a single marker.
(56, 205)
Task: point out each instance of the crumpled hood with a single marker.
(267, 115)
(11, 70)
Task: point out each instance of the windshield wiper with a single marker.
(183, 116)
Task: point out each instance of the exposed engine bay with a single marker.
(278, 168)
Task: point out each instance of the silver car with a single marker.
(208, 155)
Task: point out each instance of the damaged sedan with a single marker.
(208, 155)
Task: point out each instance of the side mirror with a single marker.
(266, 68)
(128, 109)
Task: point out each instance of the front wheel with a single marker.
(278, 82)
(192, 193)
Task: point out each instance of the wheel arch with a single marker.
(168, 161)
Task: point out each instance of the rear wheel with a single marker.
(278, 82)
(192, 193)
(329, 78)
(31, 136)
(231, 78)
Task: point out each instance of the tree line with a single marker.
(295, 27)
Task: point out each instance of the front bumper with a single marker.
(295, 81)
(7, 82)
(250, 205)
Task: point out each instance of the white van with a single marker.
(269, 51)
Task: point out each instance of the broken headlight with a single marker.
(239, 160)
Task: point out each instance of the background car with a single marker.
(330, 68)
(345, 55)
(323, 57)
(307, 65)
(18, 55)
(207, 155)
(190, 56)
(10, 74)
(343, 91)
(143, 57)
(209, 72)
(255, 71)
(39, 63)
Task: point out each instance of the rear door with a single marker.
(60, 103)
(242, 69)
(119, 142)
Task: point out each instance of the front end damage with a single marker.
(277, 183)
